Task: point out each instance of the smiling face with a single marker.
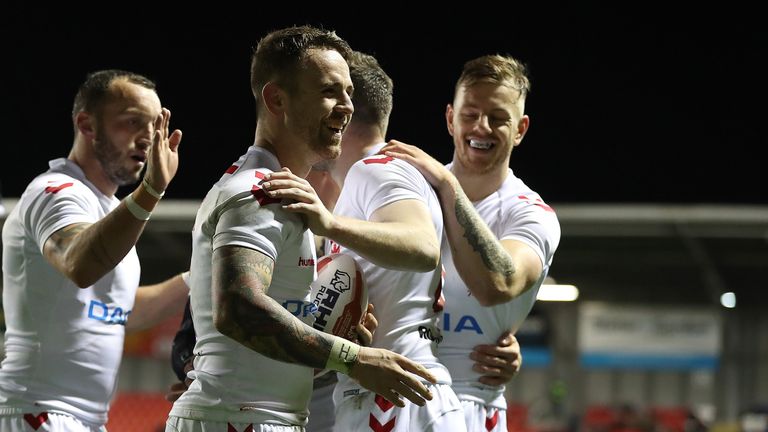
(320, 106)
(125, 125)
(486, 121)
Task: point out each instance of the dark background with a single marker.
(627, 106)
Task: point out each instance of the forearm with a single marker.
(393, 245)
(85, 253)
(480, 258)
(155, 303)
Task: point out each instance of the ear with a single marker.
(522, 127)
(274, 98)
(449, 118)
(86, 124)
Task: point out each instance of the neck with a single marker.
(83, 155)
(299, 162)
(478, 186)
(357, 143)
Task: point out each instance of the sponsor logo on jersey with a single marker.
(431, 333)
(306, 262)
(103, 312)
(300, 308)
(466, 323)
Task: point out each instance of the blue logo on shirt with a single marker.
(300, 308)
(100, 311)
(465, 323)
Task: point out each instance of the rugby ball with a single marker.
(339, 295)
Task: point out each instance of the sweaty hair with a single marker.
(280, 54)
(373, 90)
(95, 91)
(496, 69)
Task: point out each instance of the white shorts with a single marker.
(368, 411)
(46, 422)
(178, 424)
(481, 417)
(321, 413)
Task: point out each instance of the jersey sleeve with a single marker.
(380, 180)
(250, 218)
(533, 222)
(53, 203)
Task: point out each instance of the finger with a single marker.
(408, 393)
(175, 140)
(365, 337)
(417, 369)
(486, 370)
(393, 397)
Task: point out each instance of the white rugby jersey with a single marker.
(408, 304)
(232, 382)
(512, 212)
(63, 343)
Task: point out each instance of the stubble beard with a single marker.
(110, 158)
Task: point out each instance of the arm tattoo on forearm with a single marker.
(256, 320)
(482, 241)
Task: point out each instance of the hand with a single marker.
(367, 327)
(387, 374)
(178, 388)
(498, 363)
(163, 158)
(435, 172)
(284, 184)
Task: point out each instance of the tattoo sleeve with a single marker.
(494, 257)
(244, 311)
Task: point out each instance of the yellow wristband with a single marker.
(150, 190)
(136, 210)
(343, 355)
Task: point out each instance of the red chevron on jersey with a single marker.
(35, 421)
(383, 160)
(537, 202)
(491, 421)
(376, 426)
(259, 175)
(262, 197)
(231, 170)
(384, 404)
(54, 189)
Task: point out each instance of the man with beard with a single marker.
(253, 258)
(501, 236)
(70, 270)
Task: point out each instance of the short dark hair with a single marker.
(279, 55)
(373, 90)
(95, 91)
(497, 69)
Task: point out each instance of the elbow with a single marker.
(493, 297)
(427, 259)
(80, 277)
(499, 291)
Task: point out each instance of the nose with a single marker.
(483, 124)
(345, 105)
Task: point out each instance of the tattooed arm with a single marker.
(243, 311)
(510, 267)
(84, 253)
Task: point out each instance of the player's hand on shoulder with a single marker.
(285, 185)
(435, 172)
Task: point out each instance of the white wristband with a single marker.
(136, 210)
(148, 187)
(185, 277)
(343, 355)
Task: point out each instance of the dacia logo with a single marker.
(299, 308)
(101, 311)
